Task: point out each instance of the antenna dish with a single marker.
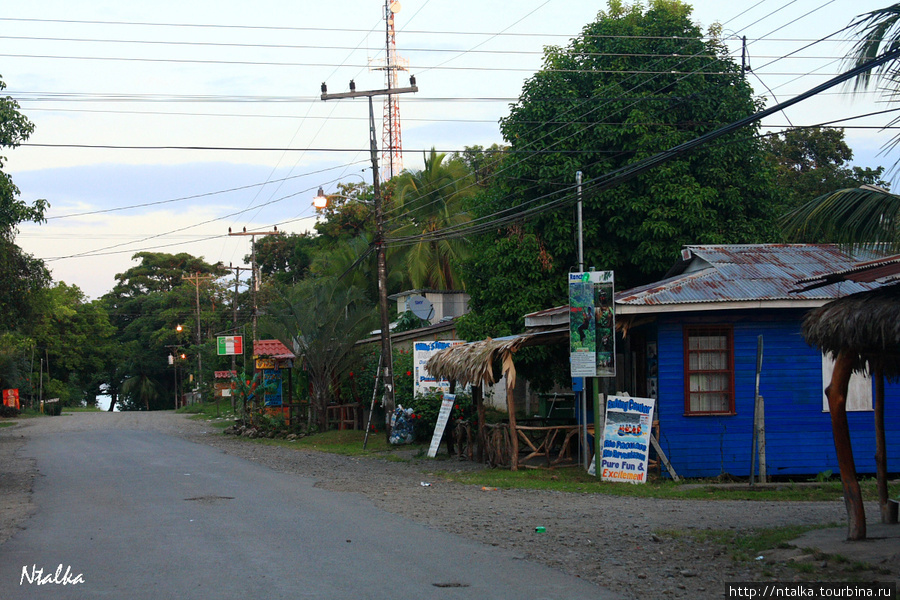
(420, 306)
(395, 7)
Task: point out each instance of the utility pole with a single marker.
(388, 372)
(196, 278)
(254, 279)
(234, 303)
(580, 225)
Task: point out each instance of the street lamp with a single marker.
(321, 200)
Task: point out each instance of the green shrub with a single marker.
(8, 412)
(427, 406)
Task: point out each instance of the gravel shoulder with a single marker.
(636, 546)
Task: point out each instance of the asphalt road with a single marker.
(139, 514)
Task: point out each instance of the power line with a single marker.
(195, 196)
(631, 170)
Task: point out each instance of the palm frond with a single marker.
(879, 32)
(855, 217)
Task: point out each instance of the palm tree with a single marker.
(431, 200)
(854, 217)
(323, 320)
(868, 214)
(142, 390)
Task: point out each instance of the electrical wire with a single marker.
(626, 172)
(192, 197)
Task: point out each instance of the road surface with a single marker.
(133, 513)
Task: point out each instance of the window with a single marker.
(708, 371)
(859, 392)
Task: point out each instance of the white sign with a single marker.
(422, 351)
(626, 439)
(443, 417)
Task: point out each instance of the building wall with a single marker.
(798, 433)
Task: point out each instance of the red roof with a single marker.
(272, 348)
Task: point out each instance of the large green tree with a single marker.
(637, 81)
(22, 275)
(812, 161)
(147, 304)
(860, 215)
(76, 341)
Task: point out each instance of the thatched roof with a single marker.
(473, 363)
(866, 324)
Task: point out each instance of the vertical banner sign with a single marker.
(11, 398)
(228, 345)
(626, 439)
(272, 378)
(443, 417)
(592, 324)
(422, 351)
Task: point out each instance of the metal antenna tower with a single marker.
(391, 141)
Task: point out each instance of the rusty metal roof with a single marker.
(883, 270)
(754, 272)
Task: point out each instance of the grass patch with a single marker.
(578, 481)
(81, 409)
(572, 480)
(7, 423)
(746, 545)
(347, 443)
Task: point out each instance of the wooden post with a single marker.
(478, 397)
(761, 440)
(887, 516)
(837, 405)
(511, 407)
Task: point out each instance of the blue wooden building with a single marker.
(691, 343)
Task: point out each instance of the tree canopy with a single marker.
(22, 275)
(814, 161)
(635, 83)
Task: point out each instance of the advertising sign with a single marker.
(592, 324)
(626, 439)
(11, 398)
(271, 378)
(441, 425)
(228, 345)
(422, 351)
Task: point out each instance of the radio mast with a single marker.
(391, 141)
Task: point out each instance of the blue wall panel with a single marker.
(798, 431)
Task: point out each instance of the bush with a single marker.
(8, 412)
(427, 406)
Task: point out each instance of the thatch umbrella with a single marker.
(473, 364)
(861, 330)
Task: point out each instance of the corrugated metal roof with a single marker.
(882, 270)
(756, 272)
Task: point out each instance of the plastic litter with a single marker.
(540, 529)
(425, 484)
(402, 426)
(484, 488)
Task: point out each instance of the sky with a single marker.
(160, 126)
